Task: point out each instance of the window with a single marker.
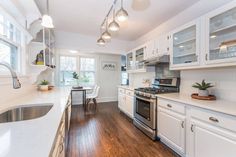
(67, 67)
(9, 54)
(83, 66)
(87, 71)
(10, 42)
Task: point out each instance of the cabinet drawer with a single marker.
(171, 105)
(129, 92)
(214, 118)
(121, 90)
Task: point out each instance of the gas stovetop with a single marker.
(151, 92)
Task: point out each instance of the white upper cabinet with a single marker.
(221, 35)
(157, 47)
(150, 50)
(139, 57)
(163, 44)
(185, 45)
(130, 60)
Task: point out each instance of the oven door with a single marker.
(145, 111)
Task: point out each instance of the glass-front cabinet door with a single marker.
(130, 61)
(185, 45)
(139, 58)
(221, 35)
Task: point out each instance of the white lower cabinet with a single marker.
(196, 132)
(171, 128)
(129, 103)
(126, 101)
(211, 135)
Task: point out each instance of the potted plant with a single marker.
(76, 77)
(43, 86)
(202, 88)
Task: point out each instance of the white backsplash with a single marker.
(224, 80)
(138, 79)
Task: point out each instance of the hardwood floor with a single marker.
(109, 134)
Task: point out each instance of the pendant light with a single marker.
(101, 41)
(106, 35)
(122, 14)
(114, 26)
(46, 19)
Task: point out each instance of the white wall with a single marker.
(136, 79)
(224, 80)
(84, 43)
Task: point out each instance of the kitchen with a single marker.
(118, 78)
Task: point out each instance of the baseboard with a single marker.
(106, 99)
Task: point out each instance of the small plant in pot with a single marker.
(203, 88)
(43, 86)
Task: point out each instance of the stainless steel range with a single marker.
(145, 107)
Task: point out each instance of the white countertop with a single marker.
(222, 106)
(33, 138)
(126, 87)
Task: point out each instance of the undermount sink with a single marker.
(25, 113)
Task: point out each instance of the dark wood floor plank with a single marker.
(107, 133)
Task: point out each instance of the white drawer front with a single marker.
(129, 92)
(214, 118)
(121, 90)
(171, 105)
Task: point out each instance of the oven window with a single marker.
(143, 108)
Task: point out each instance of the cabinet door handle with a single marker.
(168, 105)
(182, 124)
(206, 57)
(213, 119)
(192, 127)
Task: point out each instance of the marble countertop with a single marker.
(126, 87)
(33, 138)
(221, 106)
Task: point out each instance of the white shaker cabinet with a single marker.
(126, 101)
(221, 35)
(171, 125)
(211, 135)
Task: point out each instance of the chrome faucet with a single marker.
(16, 82)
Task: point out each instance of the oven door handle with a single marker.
(149, 100)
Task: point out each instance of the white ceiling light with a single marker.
(122, 14)
(140, 5)
(73, 51)
(114, 26)
(46, 19)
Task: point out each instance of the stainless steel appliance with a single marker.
(145, 104)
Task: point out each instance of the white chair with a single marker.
(92, 97)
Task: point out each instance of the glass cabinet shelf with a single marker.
(222, 35)
(184, 46)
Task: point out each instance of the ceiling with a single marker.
(85, 16)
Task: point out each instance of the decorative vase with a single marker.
(43, 87)
(203, 92)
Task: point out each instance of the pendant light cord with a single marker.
(48, 7)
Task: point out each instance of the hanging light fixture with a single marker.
(101, 41)
(106, 35)
(122, 14)
(114, 26)
(46, 19)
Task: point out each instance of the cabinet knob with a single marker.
(206, 57)
(168, 105)
(182, 124)
(192, 127)
(213, 119)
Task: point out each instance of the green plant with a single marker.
(203, 85)
(44, 82)
(75, 76)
